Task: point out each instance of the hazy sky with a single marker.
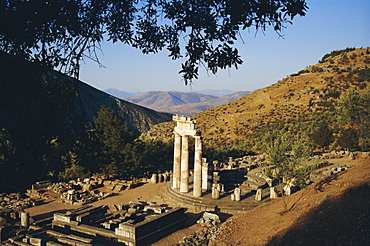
(328, 25)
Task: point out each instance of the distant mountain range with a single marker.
(121, 94)
(124, 94)
(182, 103)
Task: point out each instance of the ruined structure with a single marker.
(185, 127)
(133, 224)
(209, 179)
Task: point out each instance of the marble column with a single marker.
(184, 182)
(258, 196)
(206, 184)
(25, 219)
(237, 193)
(176, 162)
(197, 184)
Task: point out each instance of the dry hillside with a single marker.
(333, 211)
(315, 88)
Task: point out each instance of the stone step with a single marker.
(206, 204)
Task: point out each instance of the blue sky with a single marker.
(328, 25)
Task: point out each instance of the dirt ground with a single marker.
(273, 222)
(334, 211)
(146, 192)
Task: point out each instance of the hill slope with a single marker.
(180, 102)
(46, 116)
(333, 211)
(316, 88)
(78, 101)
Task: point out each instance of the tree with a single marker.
(61, 33)
(116, 138)
(354, 115)
(288, 156)
(322, 135)
(354, 108)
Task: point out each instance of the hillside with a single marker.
(333, 211)
(180, 102)
(47, 117)
(316, 88)
(77, 100)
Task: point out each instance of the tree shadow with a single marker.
(342, 220)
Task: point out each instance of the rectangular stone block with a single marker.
(118, 187)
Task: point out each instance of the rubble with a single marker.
(81, 198)
(15, 202)
(200, 237)
(209, 219)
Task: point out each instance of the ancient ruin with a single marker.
(211, 182)
(134, 224)
(185, 127)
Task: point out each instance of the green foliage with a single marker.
(335, 53)
(213, 150)
(287, 154)
(110, 148)
(63, 32)
(300, 72)
(112, 129)
(117, 152)
(348, 139)
(354, 108)
(74, 172)
(363, 75)
(322, 134)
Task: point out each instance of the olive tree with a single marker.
(287, 155)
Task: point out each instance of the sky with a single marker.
(328, 25)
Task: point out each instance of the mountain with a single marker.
(139, 118)
(180, 102)
(313, 89)
(27, 94)
(121, 94)
(46, 122)
(217, 93)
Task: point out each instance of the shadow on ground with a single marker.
(342, 220)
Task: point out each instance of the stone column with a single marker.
(197, 184)
(258, 196)
(184, 182)
(273, 193)
(237, 193)
(25, 219)
(176, 162)
(154, 178)
(215, 193)
(206, 185)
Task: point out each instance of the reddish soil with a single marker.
(334, 211)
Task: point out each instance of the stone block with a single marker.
(36, 241)
(118, 187)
